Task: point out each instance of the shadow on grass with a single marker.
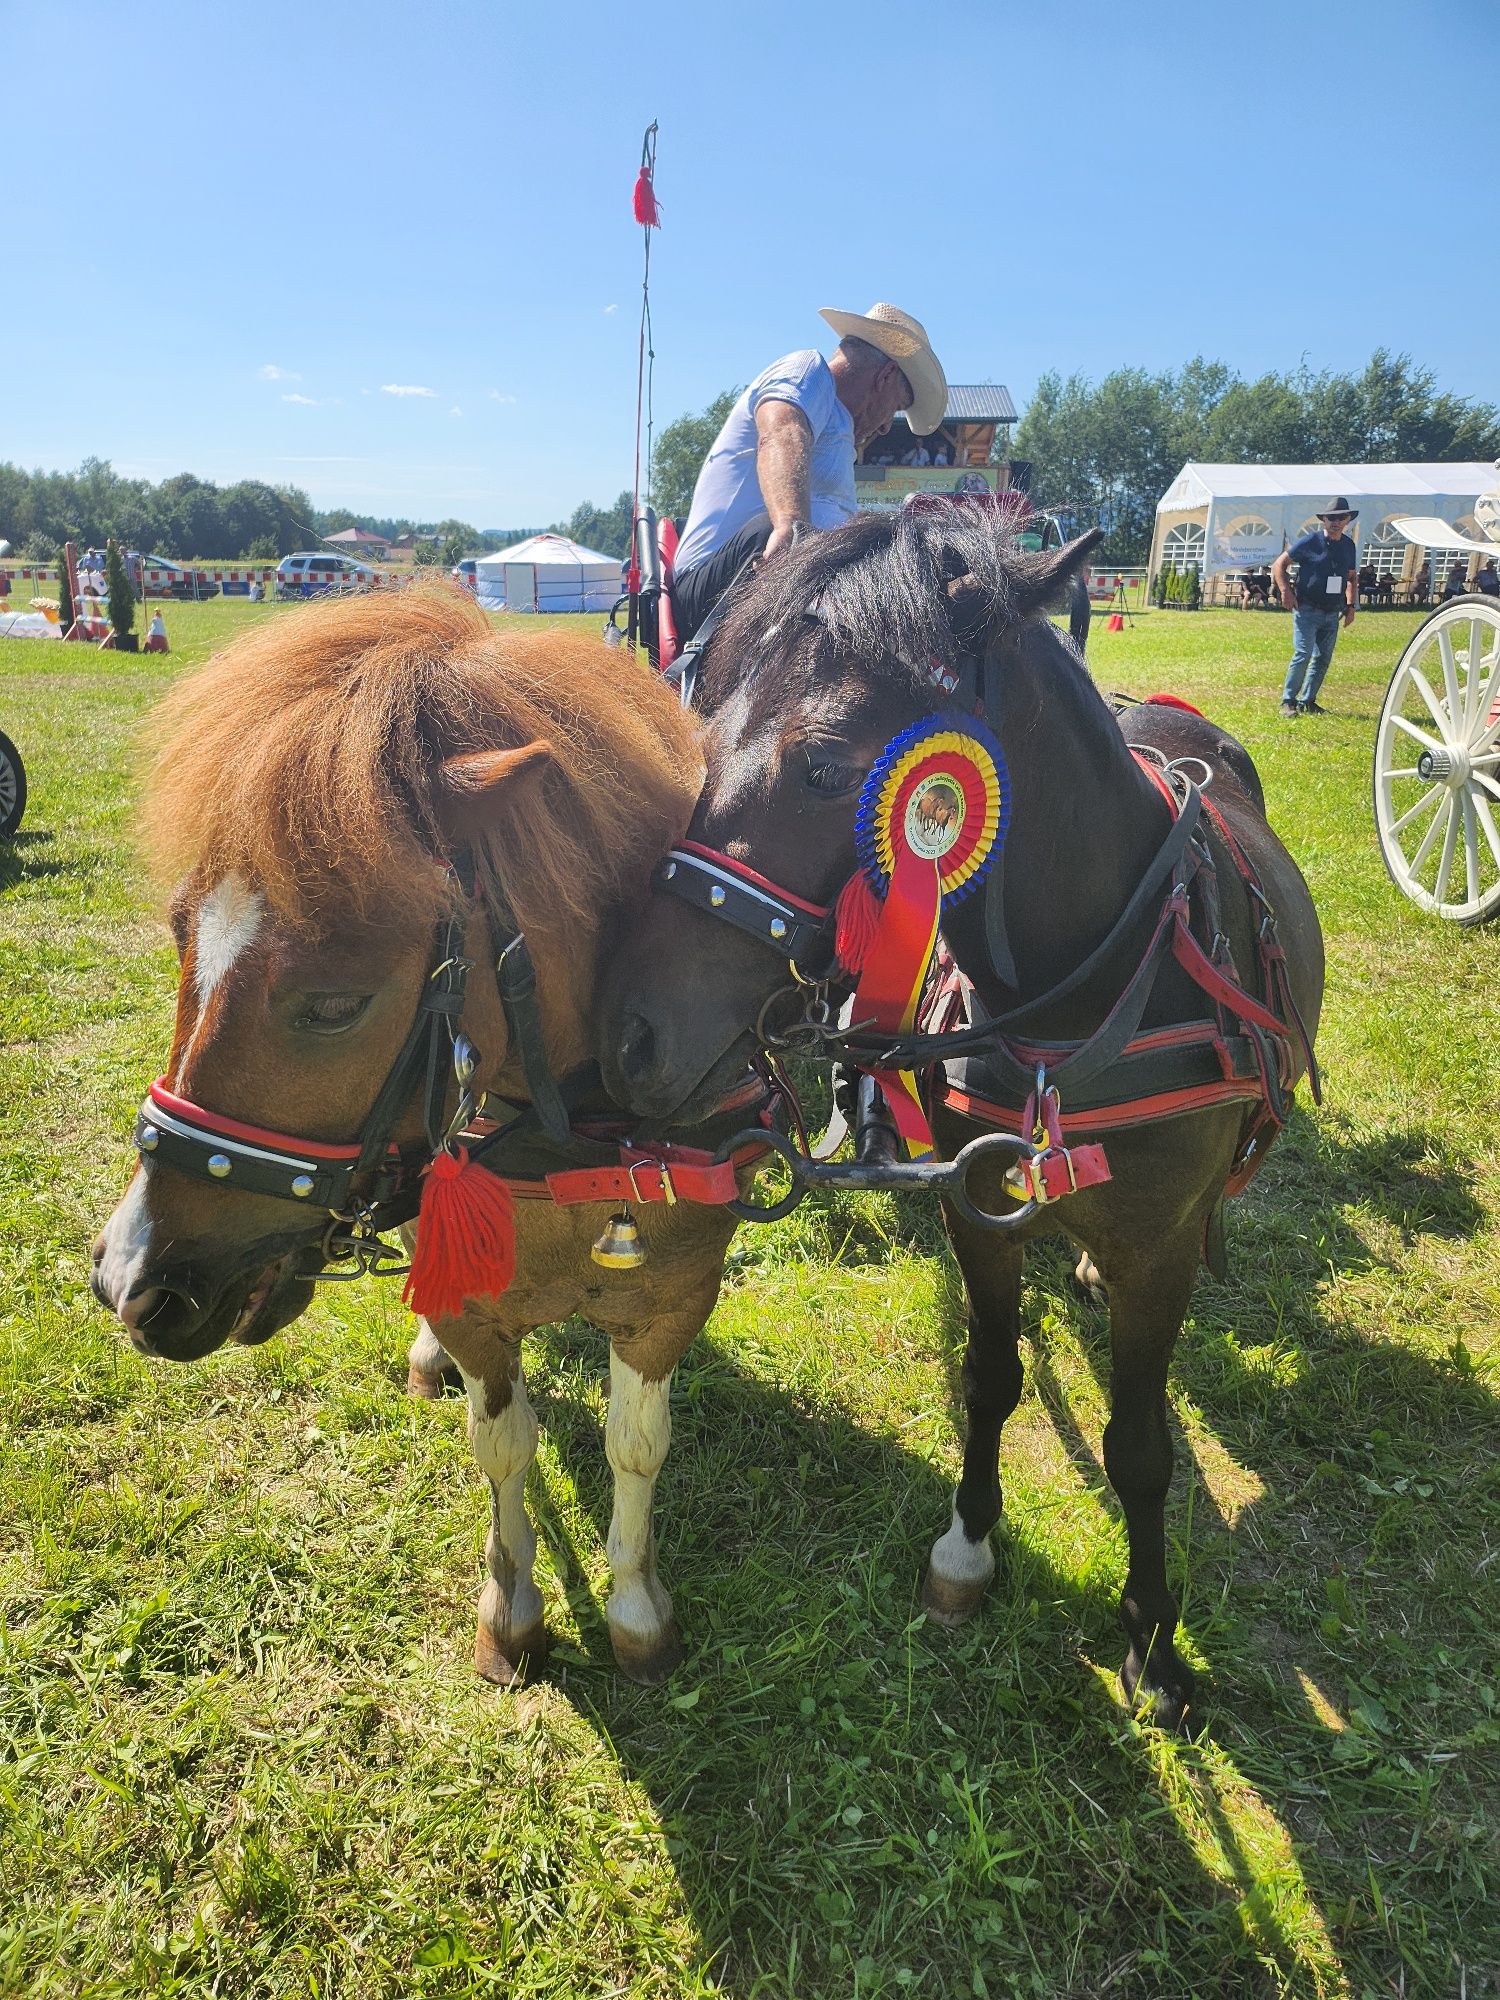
(838, 1781)
(815, 1704)
(19, 861)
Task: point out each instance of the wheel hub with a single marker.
(1448, 767)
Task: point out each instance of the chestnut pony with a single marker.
(824, 657)
(310, 783)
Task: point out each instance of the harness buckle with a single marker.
(668, 1192)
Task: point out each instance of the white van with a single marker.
(311, 573)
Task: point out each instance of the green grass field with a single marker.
(242, 1751)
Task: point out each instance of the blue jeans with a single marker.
(1315, 632)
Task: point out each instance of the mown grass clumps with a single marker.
(241, 1747)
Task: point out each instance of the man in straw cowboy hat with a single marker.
(1327, 583)
(784, 460)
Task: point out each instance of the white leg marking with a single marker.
(957, 1560)
(427, 1353)
(636, 1435)
(228, 919)
(504, 1446)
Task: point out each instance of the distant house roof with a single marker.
(979, 403)
(360, 538)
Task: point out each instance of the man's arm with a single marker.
(783, 464)
(1351, 593)
(1279, 577)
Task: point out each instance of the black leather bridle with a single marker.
(369, 1184)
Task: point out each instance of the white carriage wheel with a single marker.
(1437, 764)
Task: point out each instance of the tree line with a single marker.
(1103, 453)
(193, 519)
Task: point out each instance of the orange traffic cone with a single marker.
(156, 635)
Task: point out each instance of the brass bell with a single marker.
(620, 1247)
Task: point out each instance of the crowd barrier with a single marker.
(231, 582)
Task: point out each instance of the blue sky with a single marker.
(257, 224)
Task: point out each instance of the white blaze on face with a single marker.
(228, 919)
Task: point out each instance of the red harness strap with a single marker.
(1273, 1037)
(668, 1173)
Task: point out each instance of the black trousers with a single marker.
(696, 591)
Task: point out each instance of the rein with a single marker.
(1259, 1064)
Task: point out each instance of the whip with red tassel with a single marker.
(466, 1238)
(647, 211)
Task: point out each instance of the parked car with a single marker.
(171, 579)
(311, 574)
(464, 572)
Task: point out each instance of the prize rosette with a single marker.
(938, 791)
(931, 821)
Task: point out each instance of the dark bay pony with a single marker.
(833, 650)
(311, 788)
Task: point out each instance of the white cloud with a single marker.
(271, 373)
(499, 396)
(455, 411)
(612, 309)
(311, 401)
(405, 389)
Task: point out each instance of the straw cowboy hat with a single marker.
(905, 340)
(1339, 510)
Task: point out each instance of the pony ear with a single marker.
(1038, 584)
(469, 788)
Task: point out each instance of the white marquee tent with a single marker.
(1236, 517)
(547, 573)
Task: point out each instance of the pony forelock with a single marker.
(306, 758)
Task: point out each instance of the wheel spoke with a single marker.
(1429, 838)
(1471, 850)
(1450, 674)
(1475, 675)
(1450, 842)
(1484, 778)
(1491, 832)
(1427, 742)
(1411, 813)
(1439, 714)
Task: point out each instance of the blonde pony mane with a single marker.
(305, 759)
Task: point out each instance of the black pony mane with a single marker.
(879, 587)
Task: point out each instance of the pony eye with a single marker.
(327, 1013)
(830, 778)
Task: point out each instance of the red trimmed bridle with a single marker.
(369, 1184)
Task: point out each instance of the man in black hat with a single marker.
(1327, 582)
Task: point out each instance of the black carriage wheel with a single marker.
(12, 787)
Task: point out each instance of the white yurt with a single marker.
(547, 573)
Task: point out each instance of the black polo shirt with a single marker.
(1322, 566)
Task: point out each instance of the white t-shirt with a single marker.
(728, 498)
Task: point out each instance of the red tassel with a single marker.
(466, 1238)
(856, 918)
(647, 213)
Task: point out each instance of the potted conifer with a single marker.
(121, 600)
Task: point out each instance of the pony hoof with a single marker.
(1088, 1281)
(648, 1662)
(427, 1384)
(1160, 1699)
(948, 1603)
(512, 1662)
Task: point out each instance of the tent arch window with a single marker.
(1183, 546)
(1385, 551)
